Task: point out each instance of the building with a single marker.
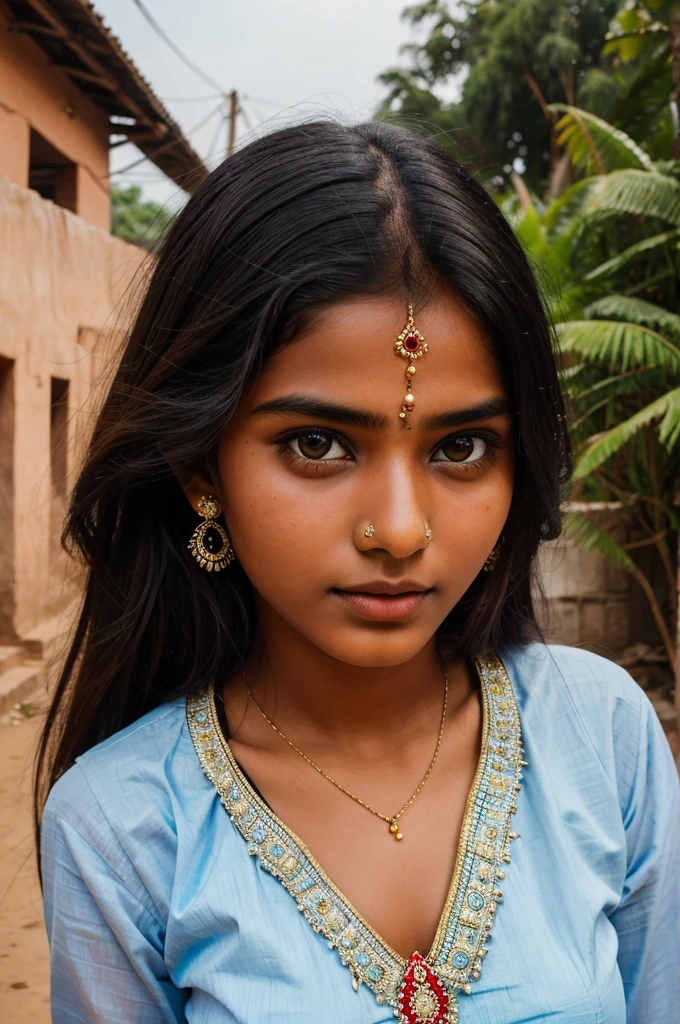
(68, 92)
(66, 87)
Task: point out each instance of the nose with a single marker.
(395, 505)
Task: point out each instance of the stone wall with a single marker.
(588, 597)
(590, 601)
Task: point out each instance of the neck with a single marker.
(320, 702)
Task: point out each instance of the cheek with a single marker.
(278, 524)
(472, 518)
(485, 501)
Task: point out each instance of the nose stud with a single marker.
(370, 530)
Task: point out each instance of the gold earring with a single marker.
(428, 532)
(411, 345)
(491, 561)
(209, 542)
(369, 531)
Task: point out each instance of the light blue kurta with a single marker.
(156, 912)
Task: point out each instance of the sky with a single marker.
(288, 59)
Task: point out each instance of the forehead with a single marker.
(347, 354)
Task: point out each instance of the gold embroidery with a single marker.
(457, 951)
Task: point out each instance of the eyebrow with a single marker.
(489, 409)
(303, 405)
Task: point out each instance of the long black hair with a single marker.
(296, 220)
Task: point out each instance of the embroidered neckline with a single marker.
(457, 952)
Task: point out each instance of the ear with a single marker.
(195, 484)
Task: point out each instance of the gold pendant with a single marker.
(394, 829)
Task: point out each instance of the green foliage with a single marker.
(618, 345)
(634, 26)
(622, 259)
(510, 59)
(665, 409)
(613, 239)
(637, 311)
(639, 46)
(617, 332)
(641, 193)
(507, 62)
(592, 538)
(596, 146)
(135, 220)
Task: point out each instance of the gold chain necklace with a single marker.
(392, 820)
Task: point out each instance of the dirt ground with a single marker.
(24, 967)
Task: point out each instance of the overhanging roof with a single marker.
(79, 44)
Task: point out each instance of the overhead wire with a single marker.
(257, 113)
(191, 99)
(259, 99)
(220, 92)
(148, 16)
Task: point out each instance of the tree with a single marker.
(646, 36)
(141, 222)
(516, 57)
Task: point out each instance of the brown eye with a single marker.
(317, 446)
(466, 448)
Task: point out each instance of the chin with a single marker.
(376, 648)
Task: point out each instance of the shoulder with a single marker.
(584, 713)
(131, 773)
(109, 826)
(573, 678)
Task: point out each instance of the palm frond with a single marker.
(634, 192)
(636, 311)
(669, 428)
(665, 408)
(596, 145)
(591, 537)
(618, 344)
(615, 385)
(632, 252)
(648, 282)
(569, 373)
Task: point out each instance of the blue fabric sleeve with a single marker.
(647, 919)
(106, 941)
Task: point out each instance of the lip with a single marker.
(390, 603)
(386, 587)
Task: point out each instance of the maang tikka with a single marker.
(411, 345)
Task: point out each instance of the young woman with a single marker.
(309, 746)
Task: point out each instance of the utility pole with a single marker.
(233, 113)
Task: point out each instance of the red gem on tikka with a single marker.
(422, 997)
(411, 343)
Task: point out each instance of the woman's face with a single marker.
(317, 452)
